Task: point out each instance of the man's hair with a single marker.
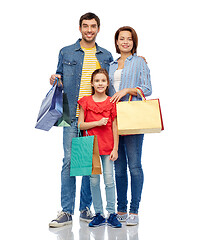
(134, 37)
(89, 16)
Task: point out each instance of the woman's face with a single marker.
(125, 42)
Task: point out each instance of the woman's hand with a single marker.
(114, 155)
(118, 95)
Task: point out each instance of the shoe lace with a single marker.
(112, 217)
(88, 212)
(131, 216)
(60, 214)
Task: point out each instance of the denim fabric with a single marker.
(134, 74)
(107, 166)
(70, 68)
(129, 153)
(68, 184)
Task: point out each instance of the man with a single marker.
(75, 66)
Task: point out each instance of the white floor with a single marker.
(80, 230)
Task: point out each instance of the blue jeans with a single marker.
(129, 153)
(107, 166)
(68, 184)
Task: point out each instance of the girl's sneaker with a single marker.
(97, 221)
(122, 218)
(132, 220)
(113, 221)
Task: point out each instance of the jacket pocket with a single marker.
(69, 67)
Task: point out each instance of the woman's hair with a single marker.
(103, 71)
(89, 16)
(134, 37)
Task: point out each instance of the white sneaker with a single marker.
(132, 220)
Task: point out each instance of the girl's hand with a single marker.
(102, 122)
(118, 95)
(114, 155)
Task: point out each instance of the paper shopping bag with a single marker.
(85, 159)
(64, 120)
(138, 117)
(51, 109)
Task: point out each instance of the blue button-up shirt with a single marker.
(70, 68)
(134, 74)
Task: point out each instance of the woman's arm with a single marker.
(114, 153)
(88, 125)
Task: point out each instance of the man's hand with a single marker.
(52, 79)
(144, 59)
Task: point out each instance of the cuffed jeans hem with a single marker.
(69, 212)
(136, 211)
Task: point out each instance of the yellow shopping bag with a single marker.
(138, 117)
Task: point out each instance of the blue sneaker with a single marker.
(97, 221)
(113, 221)
(62, 219)
(86, 215)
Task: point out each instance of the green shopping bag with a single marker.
(85, 158)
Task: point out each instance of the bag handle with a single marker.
(79, 131)
(56, 81)
(140, 92)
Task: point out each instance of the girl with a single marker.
(126, 73)
(98, 116)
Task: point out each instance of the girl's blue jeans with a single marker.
(129, 154)
(68, 184)
(108, 175)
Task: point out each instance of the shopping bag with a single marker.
(64, 120)
(85, 158)
(138, 117)
(51, 108)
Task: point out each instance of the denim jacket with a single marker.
(70, 68)
(134, 74)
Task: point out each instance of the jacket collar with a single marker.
(78, 46)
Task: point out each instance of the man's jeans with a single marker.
(130, 151)
(107, 165)
(68, 184)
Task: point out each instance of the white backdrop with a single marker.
(32, 33)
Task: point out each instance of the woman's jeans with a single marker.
(68, 184)
(129, 153)
(107, 166)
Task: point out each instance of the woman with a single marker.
(126, 73)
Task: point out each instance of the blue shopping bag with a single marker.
(51, 108)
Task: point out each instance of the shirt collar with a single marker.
(128, 59)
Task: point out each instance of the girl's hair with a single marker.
(103, 71)
(134, 37)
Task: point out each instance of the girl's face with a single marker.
(125, 42)
(100, 83)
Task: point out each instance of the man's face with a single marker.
(89, 30)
